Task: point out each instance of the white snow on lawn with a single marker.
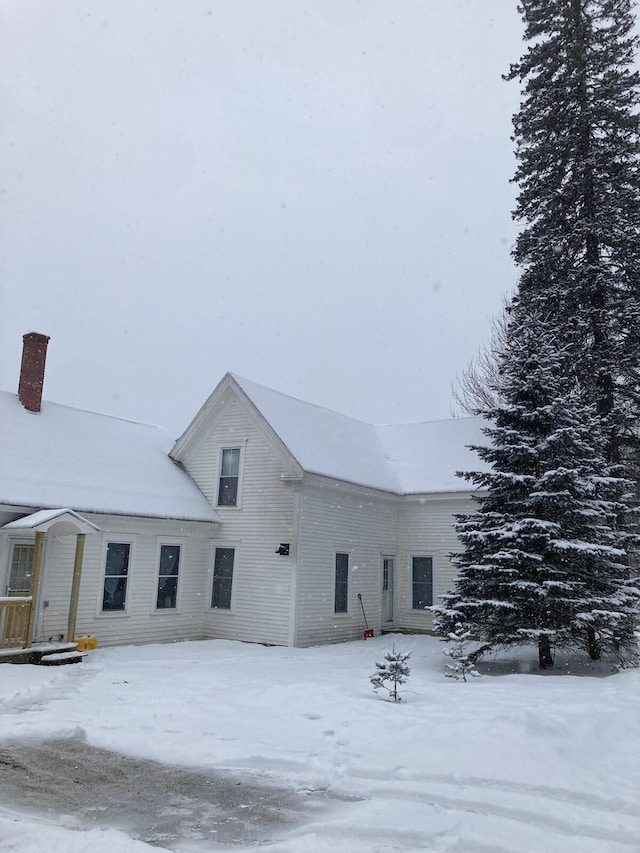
(520, 762)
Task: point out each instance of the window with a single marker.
(387, 563)
(222, 578)
(116, 573)
(168, 577)
(20, 569)
(342, 584)
(422, 582)
(229, 476)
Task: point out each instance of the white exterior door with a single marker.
(387, 589)
(19, 573)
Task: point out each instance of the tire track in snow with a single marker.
(534, 811)
(550, 810)
(581, 799)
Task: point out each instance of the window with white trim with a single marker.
(229, 476)
(223, 561)
(421, 582)
(341, 597)
(116, 575)
(168, 568)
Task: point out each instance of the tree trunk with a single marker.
(544, 653)
(592, 644)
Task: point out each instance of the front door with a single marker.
(387, 589)
(19, 574)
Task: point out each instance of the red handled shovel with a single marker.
(368, 632)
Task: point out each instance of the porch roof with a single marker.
(66, 520)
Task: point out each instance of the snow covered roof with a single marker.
(323, 441)
(44, 519)
(65, 457)
(419, 458)
(427, 456)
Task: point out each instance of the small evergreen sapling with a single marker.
(391, 674)
(461, 663)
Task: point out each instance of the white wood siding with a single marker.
(333, 519)
(426, 529)
(262, 580)
(141, 622)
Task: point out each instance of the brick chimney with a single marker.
(34, 356)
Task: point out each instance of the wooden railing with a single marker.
(14, 621)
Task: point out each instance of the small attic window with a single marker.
(229, 476)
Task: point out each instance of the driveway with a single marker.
(156, 803)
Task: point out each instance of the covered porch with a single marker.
(19, 606)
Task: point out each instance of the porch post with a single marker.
(35, 586)
(75, 587)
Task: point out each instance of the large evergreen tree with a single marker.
(577, 138)
(544, 556)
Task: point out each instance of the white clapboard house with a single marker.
(269, 520)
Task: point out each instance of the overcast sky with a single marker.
(311, 193)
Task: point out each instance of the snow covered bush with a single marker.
(391, 674)
(461, 663)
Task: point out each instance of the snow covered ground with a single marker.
(508, 762)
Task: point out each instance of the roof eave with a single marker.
(8, 506)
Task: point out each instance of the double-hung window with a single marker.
(341, 597)
(229, 476)
(116, 575)
(421, 582)
(168, 577)
(222, 578)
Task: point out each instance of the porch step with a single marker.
(61, 658)
(53, 648)
(35, 653)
